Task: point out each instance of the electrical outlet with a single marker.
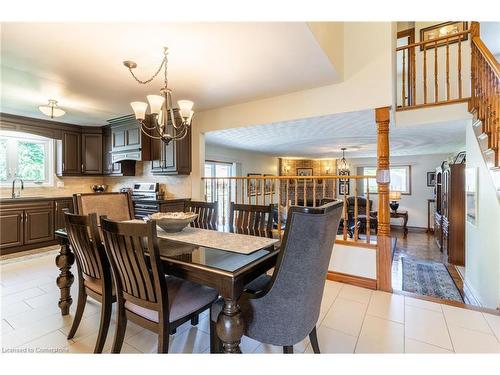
(60, 184)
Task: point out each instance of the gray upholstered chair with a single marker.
(283, 309)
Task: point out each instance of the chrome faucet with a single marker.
(17, 194)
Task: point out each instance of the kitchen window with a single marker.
(26, 156)
(400, 179)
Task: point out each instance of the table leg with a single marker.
(405, 226)
(64, 261)
(230, 326)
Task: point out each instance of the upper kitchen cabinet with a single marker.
(127, 140)
(174, 158)
(91, 153)
(79, 152)
(69, 154)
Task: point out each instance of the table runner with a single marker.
(236, 243)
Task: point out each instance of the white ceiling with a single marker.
(214, 64)
(322, 137)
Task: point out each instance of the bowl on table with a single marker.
(173, 221)
(98, 188)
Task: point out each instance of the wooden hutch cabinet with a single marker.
(449, 219)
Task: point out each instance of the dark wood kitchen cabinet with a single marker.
(69, 154)
(79, 153)
(60, 206)
(174, 158)
(11, 228)
(91, 154)
(39, 224)
(26, 225)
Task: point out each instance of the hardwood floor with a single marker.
(421, 245)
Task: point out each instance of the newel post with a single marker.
(474, 32)
(384, 251)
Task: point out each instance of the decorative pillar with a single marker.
(384, 245)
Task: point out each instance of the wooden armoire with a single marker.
(449, 219)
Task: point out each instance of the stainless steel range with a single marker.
(146, 197)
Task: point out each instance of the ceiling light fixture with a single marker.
(161, 109)
(343, 166)
(52, 109)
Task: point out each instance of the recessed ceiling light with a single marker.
(52, 110)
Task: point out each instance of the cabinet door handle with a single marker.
(83, 170)
(63, 167)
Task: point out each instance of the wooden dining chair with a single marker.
(94, 272)
(285, 309)
(114, 205)
(207, 214)
(252, 219)
(145, 294)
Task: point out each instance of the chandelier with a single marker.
(343, 166)
(52, 109)
(161, 109)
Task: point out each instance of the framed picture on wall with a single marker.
(269, 184)
(431, 178)
(343, 187)
(441, 30)
(303, 172)
(253, 185)
(471, 195)
(460, 159)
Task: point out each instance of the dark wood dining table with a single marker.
(226, 271)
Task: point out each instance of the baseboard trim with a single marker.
(363, 282)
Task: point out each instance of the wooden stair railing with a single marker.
(434, 71)
(485, 98)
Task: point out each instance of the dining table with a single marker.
(221, 260)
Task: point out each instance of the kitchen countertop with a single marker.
(33, 198)
(43, 198)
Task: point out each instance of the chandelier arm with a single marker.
(150, 135)
(154, 75)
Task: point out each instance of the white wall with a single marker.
(416, 203)
(482, 252)
(249, 162)
(352, 260)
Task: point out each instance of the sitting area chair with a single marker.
(362, 218)
(252, 219)
(207, 214)
(94, 272)
(145, 294)
(285, 309)
(115, 206)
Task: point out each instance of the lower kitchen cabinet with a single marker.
(61, 205)
(39, 224)
(27, 224)
(11, 228)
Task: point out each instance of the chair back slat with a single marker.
(207, 214)
(134, 256)
(255, 220)
(86, 244)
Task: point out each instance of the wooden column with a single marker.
(384, 251)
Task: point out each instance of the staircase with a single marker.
(484, 103)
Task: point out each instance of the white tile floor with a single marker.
(352, 320)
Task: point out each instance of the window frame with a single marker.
(12, 158)
(408, 178)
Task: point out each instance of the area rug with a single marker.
(430, 279)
